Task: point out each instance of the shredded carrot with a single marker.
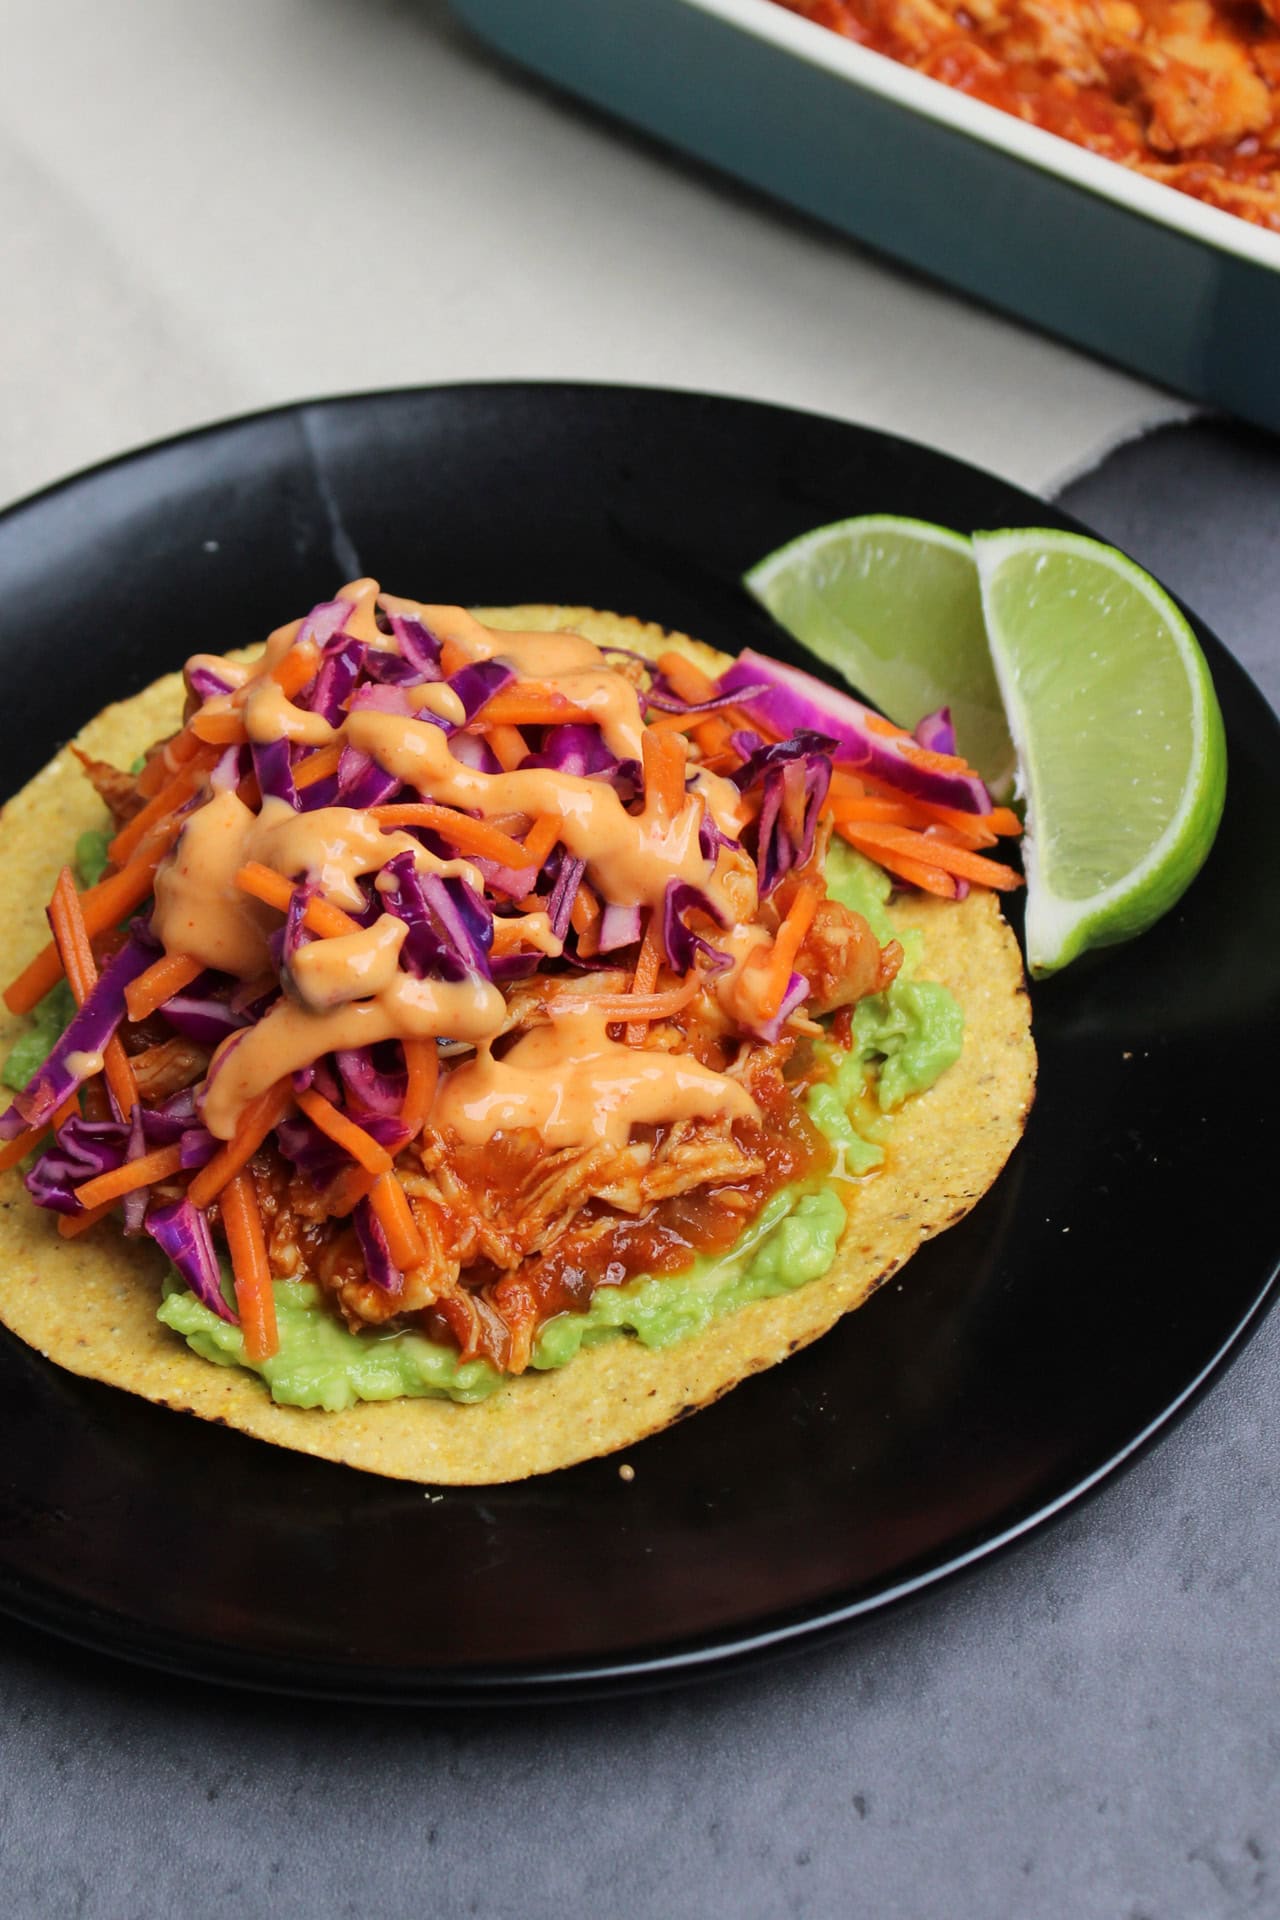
(422, 1061)
(931, 761)
(390, 1203)
(899, 813)
(163, 978)
(930, 878)
(162, 1164)
(225, 729)
(713, 735)
(344, 1133)
(321, 917)
(508, 745)
(246, 1243)
(632, 1006)
(71, 1225)
(664, 765)
(847, 784)
(528, 704)
(686, 680)
(1003, 820)
(676, 722)
(298, 667)
(162, 766)
(101, 907)
(317, 766)
(258, 1119)
(540, 839)
(933, 852)
(876, 723)
(120, 850)
(645, 978)
(584, 915)
(459, 829)
(785, 948)
(72, 940)
(346, 1190)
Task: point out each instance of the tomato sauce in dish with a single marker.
(1184, 91)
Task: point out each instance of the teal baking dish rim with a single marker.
(1162, 284)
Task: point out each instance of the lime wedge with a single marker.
(1121, 752)
(893, 605)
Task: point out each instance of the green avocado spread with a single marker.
(903, 1039)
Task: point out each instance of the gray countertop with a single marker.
(1087, 1727)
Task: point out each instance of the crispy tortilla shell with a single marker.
(89, 1304)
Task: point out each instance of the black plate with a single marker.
(1024, 1355)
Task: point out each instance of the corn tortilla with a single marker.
(89, 1304)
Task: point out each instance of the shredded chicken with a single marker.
(117, 789)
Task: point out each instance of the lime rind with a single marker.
(893, 605)
(1059, 927)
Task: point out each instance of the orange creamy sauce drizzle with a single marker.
(568, 1080)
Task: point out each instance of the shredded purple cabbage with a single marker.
(72, 1061)
(181, 1231)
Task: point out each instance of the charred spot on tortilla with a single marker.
(89, 1301)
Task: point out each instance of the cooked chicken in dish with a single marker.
(1186, 91)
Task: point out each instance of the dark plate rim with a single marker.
(718, 1652)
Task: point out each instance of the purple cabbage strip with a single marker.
(661, 696)
(680, 943)
(379, 1265)
(312, 1153)
(374, 698)
(273, 766)
(472, 750)
(796, 994)
(563, 894)
(515, 882)
(417, 644)
(476, 684)
(619, 927)
(574, 748)
(325, 622)
(333, 685)
(197, 1146)
(295, 932)
(80, 1151)
(374, 1091)
(134, 1204)
(390, 670)
(201, 1017)
(424, 951)
(794, 775)
(321, 793)
(465, 918)
(206, 684)
(182, 1233)
(362, 782)
(226, 776)
(83, 1041)
(935, 731)
(796, 701)
(168, 1122)
(711, 839)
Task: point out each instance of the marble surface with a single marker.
(211, 208)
